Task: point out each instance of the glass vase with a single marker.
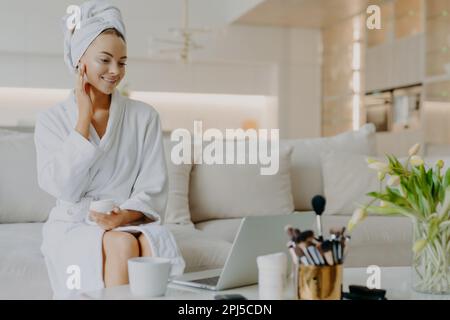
(431, 265)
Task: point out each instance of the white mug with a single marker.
(101, 206)
(271, 283)
(148, 276)
(272, 272)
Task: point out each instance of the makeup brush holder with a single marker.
(319, 282)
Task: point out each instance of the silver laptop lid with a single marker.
(258, 236)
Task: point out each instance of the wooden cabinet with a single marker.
(437, 51)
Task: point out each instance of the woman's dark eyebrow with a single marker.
(109, 54)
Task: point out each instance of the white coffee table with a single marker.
(396, 280)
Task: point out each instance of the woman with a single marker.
(99, 145)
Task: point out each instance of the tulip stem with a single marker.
(431, 265)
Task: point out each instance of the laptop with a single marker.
(256, 236)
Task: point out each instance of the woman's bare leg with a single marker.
(118, 247)
(146, 250)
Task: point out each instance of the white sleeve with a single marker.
(149, 192)
(63, 162)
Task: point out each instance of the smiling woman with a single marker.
(99, 145)
(105, 61)
(101, 68)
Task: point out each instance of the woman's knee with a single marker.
(146, 249)
(120, 244)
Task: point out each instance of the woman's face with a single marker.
(105, 61)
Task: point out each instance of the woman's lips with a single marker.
(110, 80)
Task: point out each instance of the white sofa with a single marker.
(206, 205)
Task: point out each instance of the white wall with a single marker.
(177, 110)
(236, 60)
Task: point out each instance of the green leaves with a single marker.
(413, 190)
(447, 179)
(395, 167)
(433, 228)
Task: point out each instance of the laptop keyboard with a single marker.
(208, 281)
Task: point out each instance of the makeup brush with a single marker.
(297, 234)
(290, 231)
(291, 245)
(303, 246)
(326, 248)
(307, 235)
(318, 203)
(302, 258)
(337, 232)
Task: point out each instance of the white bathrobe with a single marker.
(127, 164)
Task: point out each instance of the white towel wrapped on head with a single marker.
(96, 16)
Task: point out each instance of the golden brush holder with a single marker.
(319, 282)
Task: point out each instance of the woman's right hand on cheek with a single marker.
(82, 94)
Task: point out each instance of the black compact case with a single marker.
(357, 292)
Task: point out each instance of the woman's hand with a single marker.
(85, 107)
(117, 218)
(109, 221)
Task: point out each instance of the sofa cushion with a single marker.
(23, 274)
(237, 190)
(437, 150)
(177, 210)
(200, 251)
(21, 199)
(225, 229)
(379, 240)
(346, 181)
(306, 173)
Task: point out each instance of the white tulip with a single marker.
(416, 161)
(370, 160)
(379, 166)
(358, 216)
(393, 181)
(383, 204)
(414, 149)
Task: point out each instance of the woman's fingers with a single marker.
(98, 215)
(79, 78)
(116, 210)
(80, 82)
(82, 76)
(95, 216)
(86, 85)
(101, 217)
(105, 221)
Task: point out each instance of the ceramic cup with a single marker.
(102, 206)
(272, 272)
(148, 276)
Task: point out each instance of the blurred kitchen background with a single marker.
(309, 67)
